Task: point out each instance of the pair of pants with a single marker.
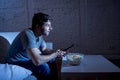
(46, 71)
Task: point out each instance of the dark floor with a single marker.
(116, 62)
(92, 79)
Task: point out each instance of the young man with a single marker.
(29, 49)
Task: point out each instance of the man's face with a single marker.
(46, 28)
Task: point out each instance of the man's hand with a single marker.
(61, 53)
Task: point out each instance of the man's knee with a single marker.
(45, 70)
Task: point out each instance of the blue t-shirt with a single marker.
(25, 39)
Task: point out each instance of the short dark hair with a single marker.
(39, 19)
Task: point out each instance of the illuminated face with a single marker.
(46, 28)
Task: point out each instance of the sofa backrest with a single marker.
(6, 38)
(9, 35)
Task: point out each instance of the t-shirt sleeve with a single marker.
(29, 40)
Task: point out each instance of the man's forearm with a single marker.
(48, 51)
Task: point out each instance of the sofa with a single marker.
(9, 71)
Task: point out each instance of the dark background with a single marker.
(92, 25)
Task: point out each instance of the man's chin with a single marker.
(46, 34)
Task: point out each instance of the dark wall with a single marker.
(92, 25)
(100, 30)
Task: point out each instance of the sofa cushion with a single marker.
(13, 72)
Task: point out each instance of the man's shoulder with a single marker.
(27, 31)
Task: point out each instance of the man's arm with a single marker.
(48, 51)
(37, 58)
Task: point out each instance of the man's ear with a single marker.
(37, 26)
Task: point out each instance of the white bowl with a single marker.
(74, 58)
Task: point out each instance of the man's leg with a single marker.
(42, 72)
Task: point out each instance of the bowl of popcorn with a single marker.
(74, 58)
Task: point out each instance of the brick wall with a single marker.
(92, 25)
